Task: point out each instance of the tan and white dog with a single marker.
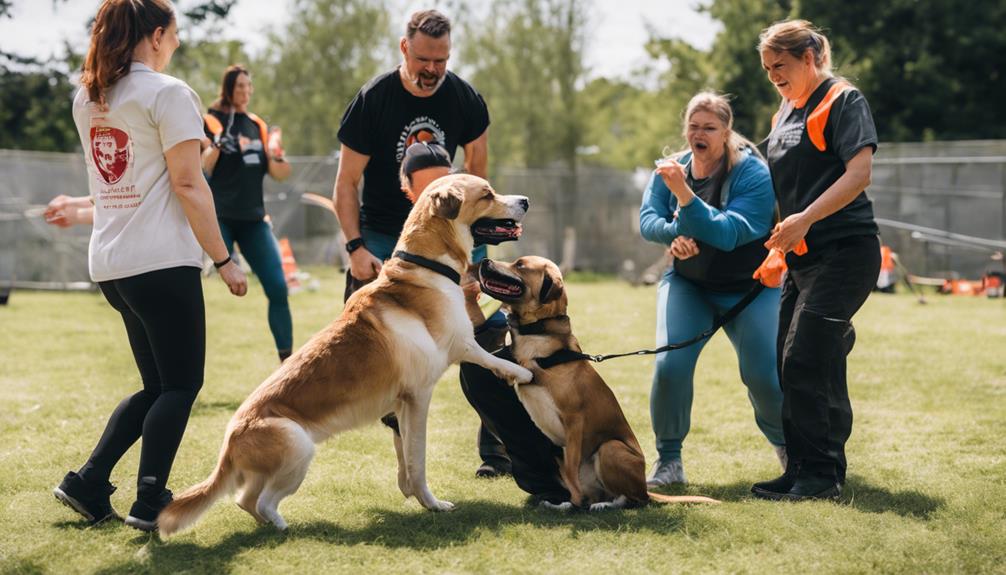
(392, 342)
(603, 466)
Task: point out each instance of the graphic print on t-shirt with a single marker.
(788, 135)
(111, 152)
(421, 129)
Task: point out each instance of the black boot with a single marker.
(90, 499)
(776, 488)
(150, 501)
(809, 487)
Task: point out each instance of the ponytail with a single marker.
(118, 28)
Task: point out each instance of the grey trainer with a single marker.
(667, 473)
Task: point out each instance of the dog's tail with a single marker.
(194, 501)
(661, 498)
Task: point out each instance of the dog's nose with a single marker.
(524, 203)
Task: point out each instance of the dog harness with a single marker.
(429, 264)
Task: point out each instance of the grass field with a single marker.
(926, 490)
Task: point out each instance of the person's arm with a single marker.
(362, 264)
(858, 172)
(210, 156)
(746, 217)
(656, 215)
(477, 155)
(189, 185)
(279, 168)
(65, 211)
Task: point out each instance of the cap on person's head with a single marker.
(422, 155)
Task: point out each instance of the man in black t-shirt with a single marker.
(419, 101)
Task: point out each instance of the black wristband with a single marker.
(354, 244)
(219, 265)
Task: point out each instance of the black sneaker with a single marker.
(143, 514)
(776, 488)
(88, 498)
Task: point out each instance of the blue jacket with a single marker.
(749, 207)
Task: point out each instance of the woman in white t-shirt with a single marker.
(153, 217)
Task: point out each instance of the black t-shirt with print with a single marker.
(236, 180)
(384, 119)
(801, 172)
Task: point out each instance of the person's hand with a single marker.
(62, 211)
(363, 265)
(472, 291)
(276, 143)
(683, 248)
(788, 234)
(673, 175)
(234, 277)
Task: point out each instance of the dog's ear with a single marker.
(445, 202)
(551, 289)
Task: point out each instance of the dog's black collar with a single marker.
(536, 328)
(429, 264)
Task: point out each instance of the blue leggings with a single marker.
(683, 311)
(260, 249)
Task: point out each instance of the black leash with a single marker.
(567, 355)
(429, 264)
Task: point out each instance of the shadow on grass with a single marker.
(858, 493)
(202, 407)
(862, 495)
(407, 529)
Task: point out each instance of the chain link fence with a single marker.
(586, 220)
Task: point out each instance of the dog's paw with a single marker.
(520, 375)
(440, 505)
(603, 506)
(564, 507)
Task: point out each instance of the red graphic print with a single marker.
(111, 153)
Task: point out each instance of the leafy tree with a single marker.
(526, 58)
(310, 73)
(931, 69)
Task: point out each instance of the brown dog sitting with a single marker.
(603, 466)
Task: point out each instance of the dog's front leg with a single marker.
(503, 369)
(403, 470)
(412, 422)
(571, 458)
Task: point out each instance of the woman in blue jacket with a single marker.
(714, 206)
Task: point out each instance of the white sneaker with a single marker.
(780, 452)
(667, 473)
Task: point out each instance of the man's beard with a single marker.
(418, 80)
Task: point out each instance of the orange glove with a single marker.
(769, 273)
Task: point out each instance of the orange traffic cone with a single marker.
(290, 271)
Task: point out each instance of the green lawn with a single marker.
(927, 475)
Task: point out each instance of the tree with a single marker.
(310, 73)
(526, 58)
(931, 69)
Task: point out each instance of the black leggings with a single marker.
(166, 325)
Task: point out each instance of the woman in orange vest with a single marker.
(238, 152)
(820, 155)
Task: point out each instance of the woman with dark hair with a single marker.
(153, 219)
(239, 151)
(820, 153)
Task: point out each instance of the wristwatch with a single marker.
(354, 244)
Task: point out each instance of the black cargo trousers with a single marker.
(819, 297)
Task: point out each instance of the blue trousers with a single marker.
(260, 249)
(683, 311)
